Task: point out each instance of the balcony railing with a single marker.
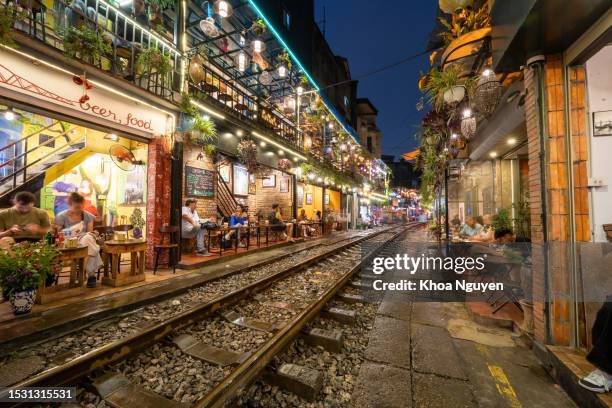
(228, 96)
(125, 37)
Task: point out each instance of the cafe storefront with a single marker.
(62, 132)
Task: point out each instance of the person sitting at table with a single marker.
(470, 229)
(303, 222)
(80, 223)
(237, 219)
(276, 220)
(191, 228)
(487, 232)
(23, 221)
(504, 236)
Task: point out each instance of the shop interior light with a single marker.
(223, 8)
(311, 176)
(111, 136)
(242, 61)
(295, 159)
(10, 114)
(281, 152)
(239, 132)
(205, 117)
(319, 179)
(512, 141)
(493, 154)
(262, 144)
(258, 45)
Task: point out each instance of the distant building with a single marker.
(404, 173)
(369, 133)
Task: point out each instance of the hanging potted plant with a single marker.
(204, 131)
(22, 269)
(447, 87)
(156, 9)
(137, 222)
(259, 27)
(247, 154)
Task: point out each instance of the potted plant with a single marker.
(447, 87)
(463, 22)
(502, 220)
(8, 16)
(137, 222)
(258, 27)
(85, 44)
(156, 9)
(200, 131)
(22, 269)
(152, 60)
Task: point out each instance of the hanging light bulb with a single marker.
(9, 115)
(223, 8)
(242, 61)
(258, 45)
(282, 71)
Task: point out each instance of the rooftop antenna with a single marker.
(323, 22)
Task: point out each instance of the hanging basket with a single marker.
(488, 93)
(247, 154)
(454, 95)
(284, 164)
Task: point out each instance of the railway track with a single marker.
(269, 313)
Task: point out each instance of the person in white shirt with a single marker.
(191, 226)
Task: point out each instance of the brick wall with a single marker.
(158, 197)
(557, 192)
(266, 196)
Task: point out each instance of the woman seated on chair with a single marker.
(80, 223)
(278, 225)
(238, 219)
(306, 229)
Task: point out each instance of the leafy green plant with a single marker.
(467, 20)
(151, 59)
(26, 265)
(209, 149)
(438, 82)
(502, 220)
(284, 58)
(86, 44)
(259, 26)
(8, 16)
(162, 4)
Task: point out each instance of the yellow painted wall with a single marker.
(317, 200)
(334, 200)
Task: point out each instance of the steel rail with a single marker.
(250, 369)
(121, 349)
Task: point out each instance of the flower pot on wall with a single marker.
(22, 301)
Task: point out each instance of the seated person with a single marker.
(237, 219)
(190, 226)
(470, 229)
(276, 220)
(600, 379)
(80, 223)
(22, 222)
(487, 232)
(504, 236)
(302, 219)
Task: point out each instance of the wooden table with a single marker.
(112, 250)
(75, 286)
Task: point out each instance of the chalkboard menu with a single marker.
(199, 182)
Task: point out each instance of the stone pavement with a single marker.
(432, 354)
(412, 361)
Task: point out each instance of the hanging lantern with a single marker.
(265, 78)
(223, 8)
(488, 92)
(468, 124)
(451, 6)
(282, 71)
(208, 25)
(196, 73)
(258, 45)
(242, 61)
(247, 154)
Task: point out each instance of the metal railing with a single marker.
(123, 35)
(227, 95)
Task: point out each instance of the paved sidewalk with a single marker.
(431, 354)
